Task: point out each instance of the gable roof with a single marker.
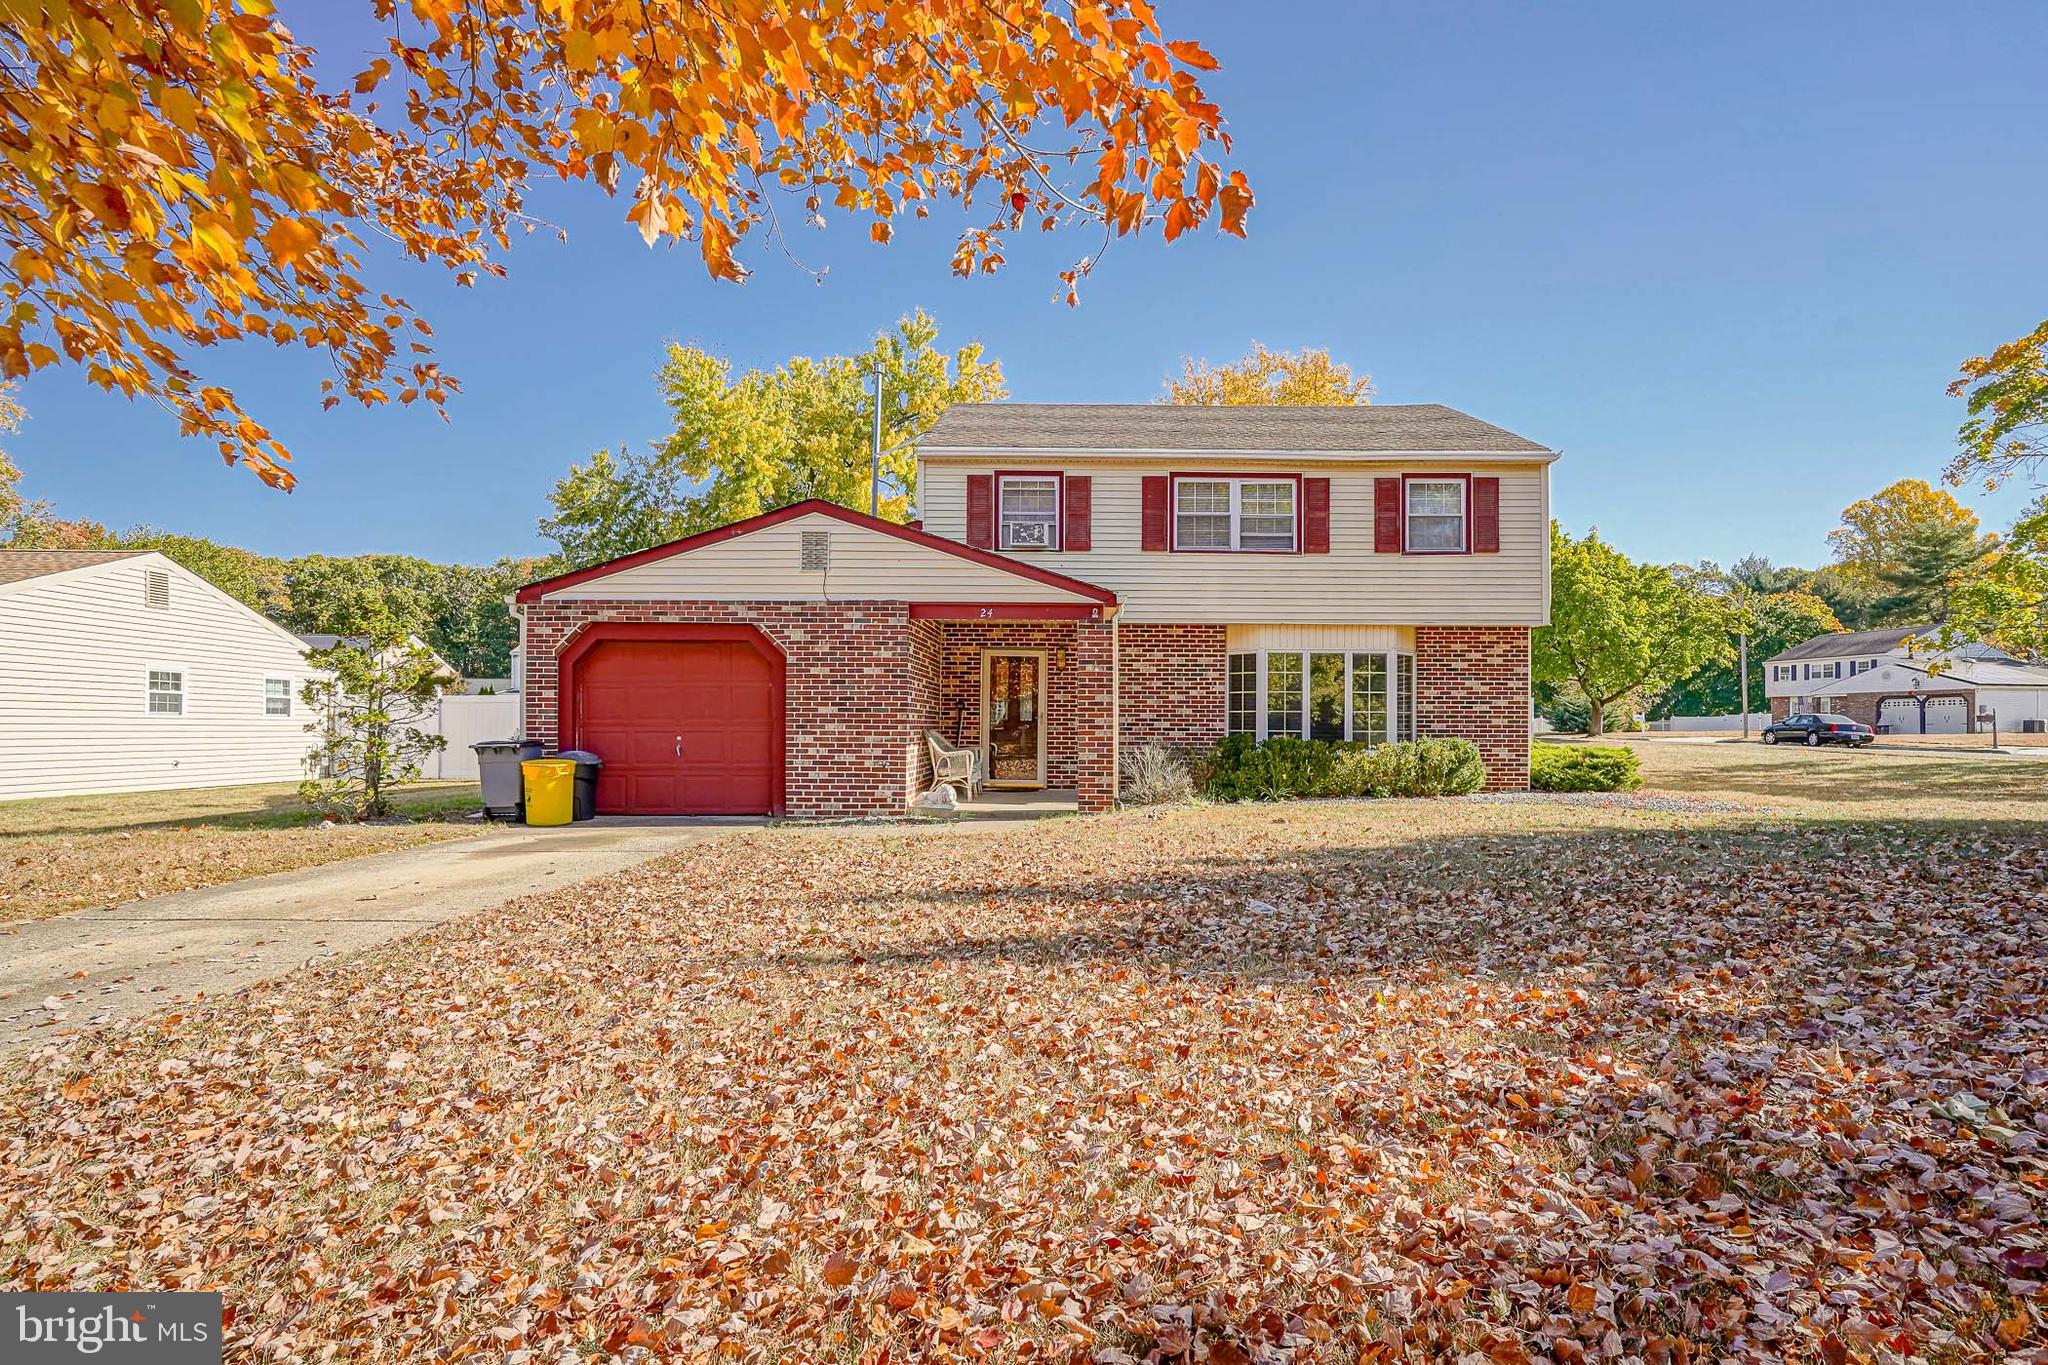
(1968, 672)
(19, 565)
(1398, 428)
(1836, 644)
(535, 591)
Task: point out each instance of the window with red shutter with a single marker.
(981, 511)
(1315, 516)
(1152, 518)
(1386, 516)
(1078, 494)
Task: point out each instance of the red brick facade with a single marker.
(864, 682)
(850, 725)
(1173, 684)
(1472, 682)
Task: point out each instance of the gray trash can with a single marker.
(497, 769)
(587, 764)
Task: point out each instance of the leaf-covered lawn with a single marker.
(73, 852)
(1324, 1083)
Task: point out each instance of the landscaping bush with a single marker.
(1154, 775)
(1583, 768)
(1242, 769)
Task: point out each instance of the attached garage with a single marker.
(688, 718)
(795, 663)
(1925, 715)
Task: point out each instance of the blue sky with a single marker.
(1725, 256)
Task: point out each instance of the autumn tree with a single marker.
(1619, 628)
(179, 174)
(2006, 394)
(766, 438)
(1908, 543)
(1300, 378)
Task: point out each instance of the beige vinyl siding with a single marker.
(1350, 585)
(1322, 639)
(76, 650)
(866, 566)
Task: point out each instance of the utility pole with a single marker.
(1745, 679)
(875, 462)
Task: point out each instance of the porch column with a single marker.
(1093, 669)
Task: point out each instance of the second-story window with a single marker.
(1029, 511)
(1436, 516)
(1234, 514)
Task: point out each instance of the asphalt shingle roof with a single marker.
(1845, 642)
(16, 565)
(1401, 428)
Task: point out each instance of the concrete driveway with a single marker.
(92, 966)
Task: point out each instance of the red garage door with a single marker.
(683, 727)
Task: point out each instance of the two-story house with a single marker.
(1085, 578)
(1898, 681)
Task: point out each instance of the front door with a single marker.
(1013, 717)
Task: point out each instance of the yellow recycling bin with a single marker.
(550, 790)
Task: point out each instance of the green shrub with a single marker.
(1447, 767)
(1583, 768)
(1242, 769)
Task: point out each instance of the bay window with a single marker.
(1256, 515)
(1435, 515)
(1028, 511)
(1363, 697)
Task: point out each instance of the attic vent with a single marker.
(817, 551)
(156, 589)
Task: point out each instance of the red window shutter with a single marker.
(1315, 516)
(1386, 516)
(1486, 516)
(1153, 518)
(1077, 496)
(981, 511)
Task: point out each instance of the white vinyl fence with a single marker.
(1757, 721)
(464, 721)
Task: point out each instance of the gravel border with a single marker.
(1670, 802)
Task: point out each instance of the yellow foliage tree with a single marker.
(1304, 377)
(1872, 531)
(176, 175)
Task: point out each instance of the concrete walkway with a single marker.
(94, 965)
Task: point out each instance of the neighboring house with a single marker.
(1085, 578)
(121, 671)
(1898, 682)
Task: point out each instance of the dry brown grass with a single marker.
(1316, 1082)
(77, 852)
(1838, 783)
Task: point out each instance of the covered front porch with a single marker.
(1031, 689)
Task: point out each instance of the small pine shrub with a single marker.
(1154, 775)
(1584, 768)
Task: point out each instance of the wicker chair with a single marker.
(952, 766)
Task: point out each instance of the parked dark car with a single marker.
(1816, 730)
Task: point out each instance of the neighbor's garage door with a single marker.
(1945, 715)
(683, 728)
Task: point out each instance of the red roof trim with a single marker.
(534, 592)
